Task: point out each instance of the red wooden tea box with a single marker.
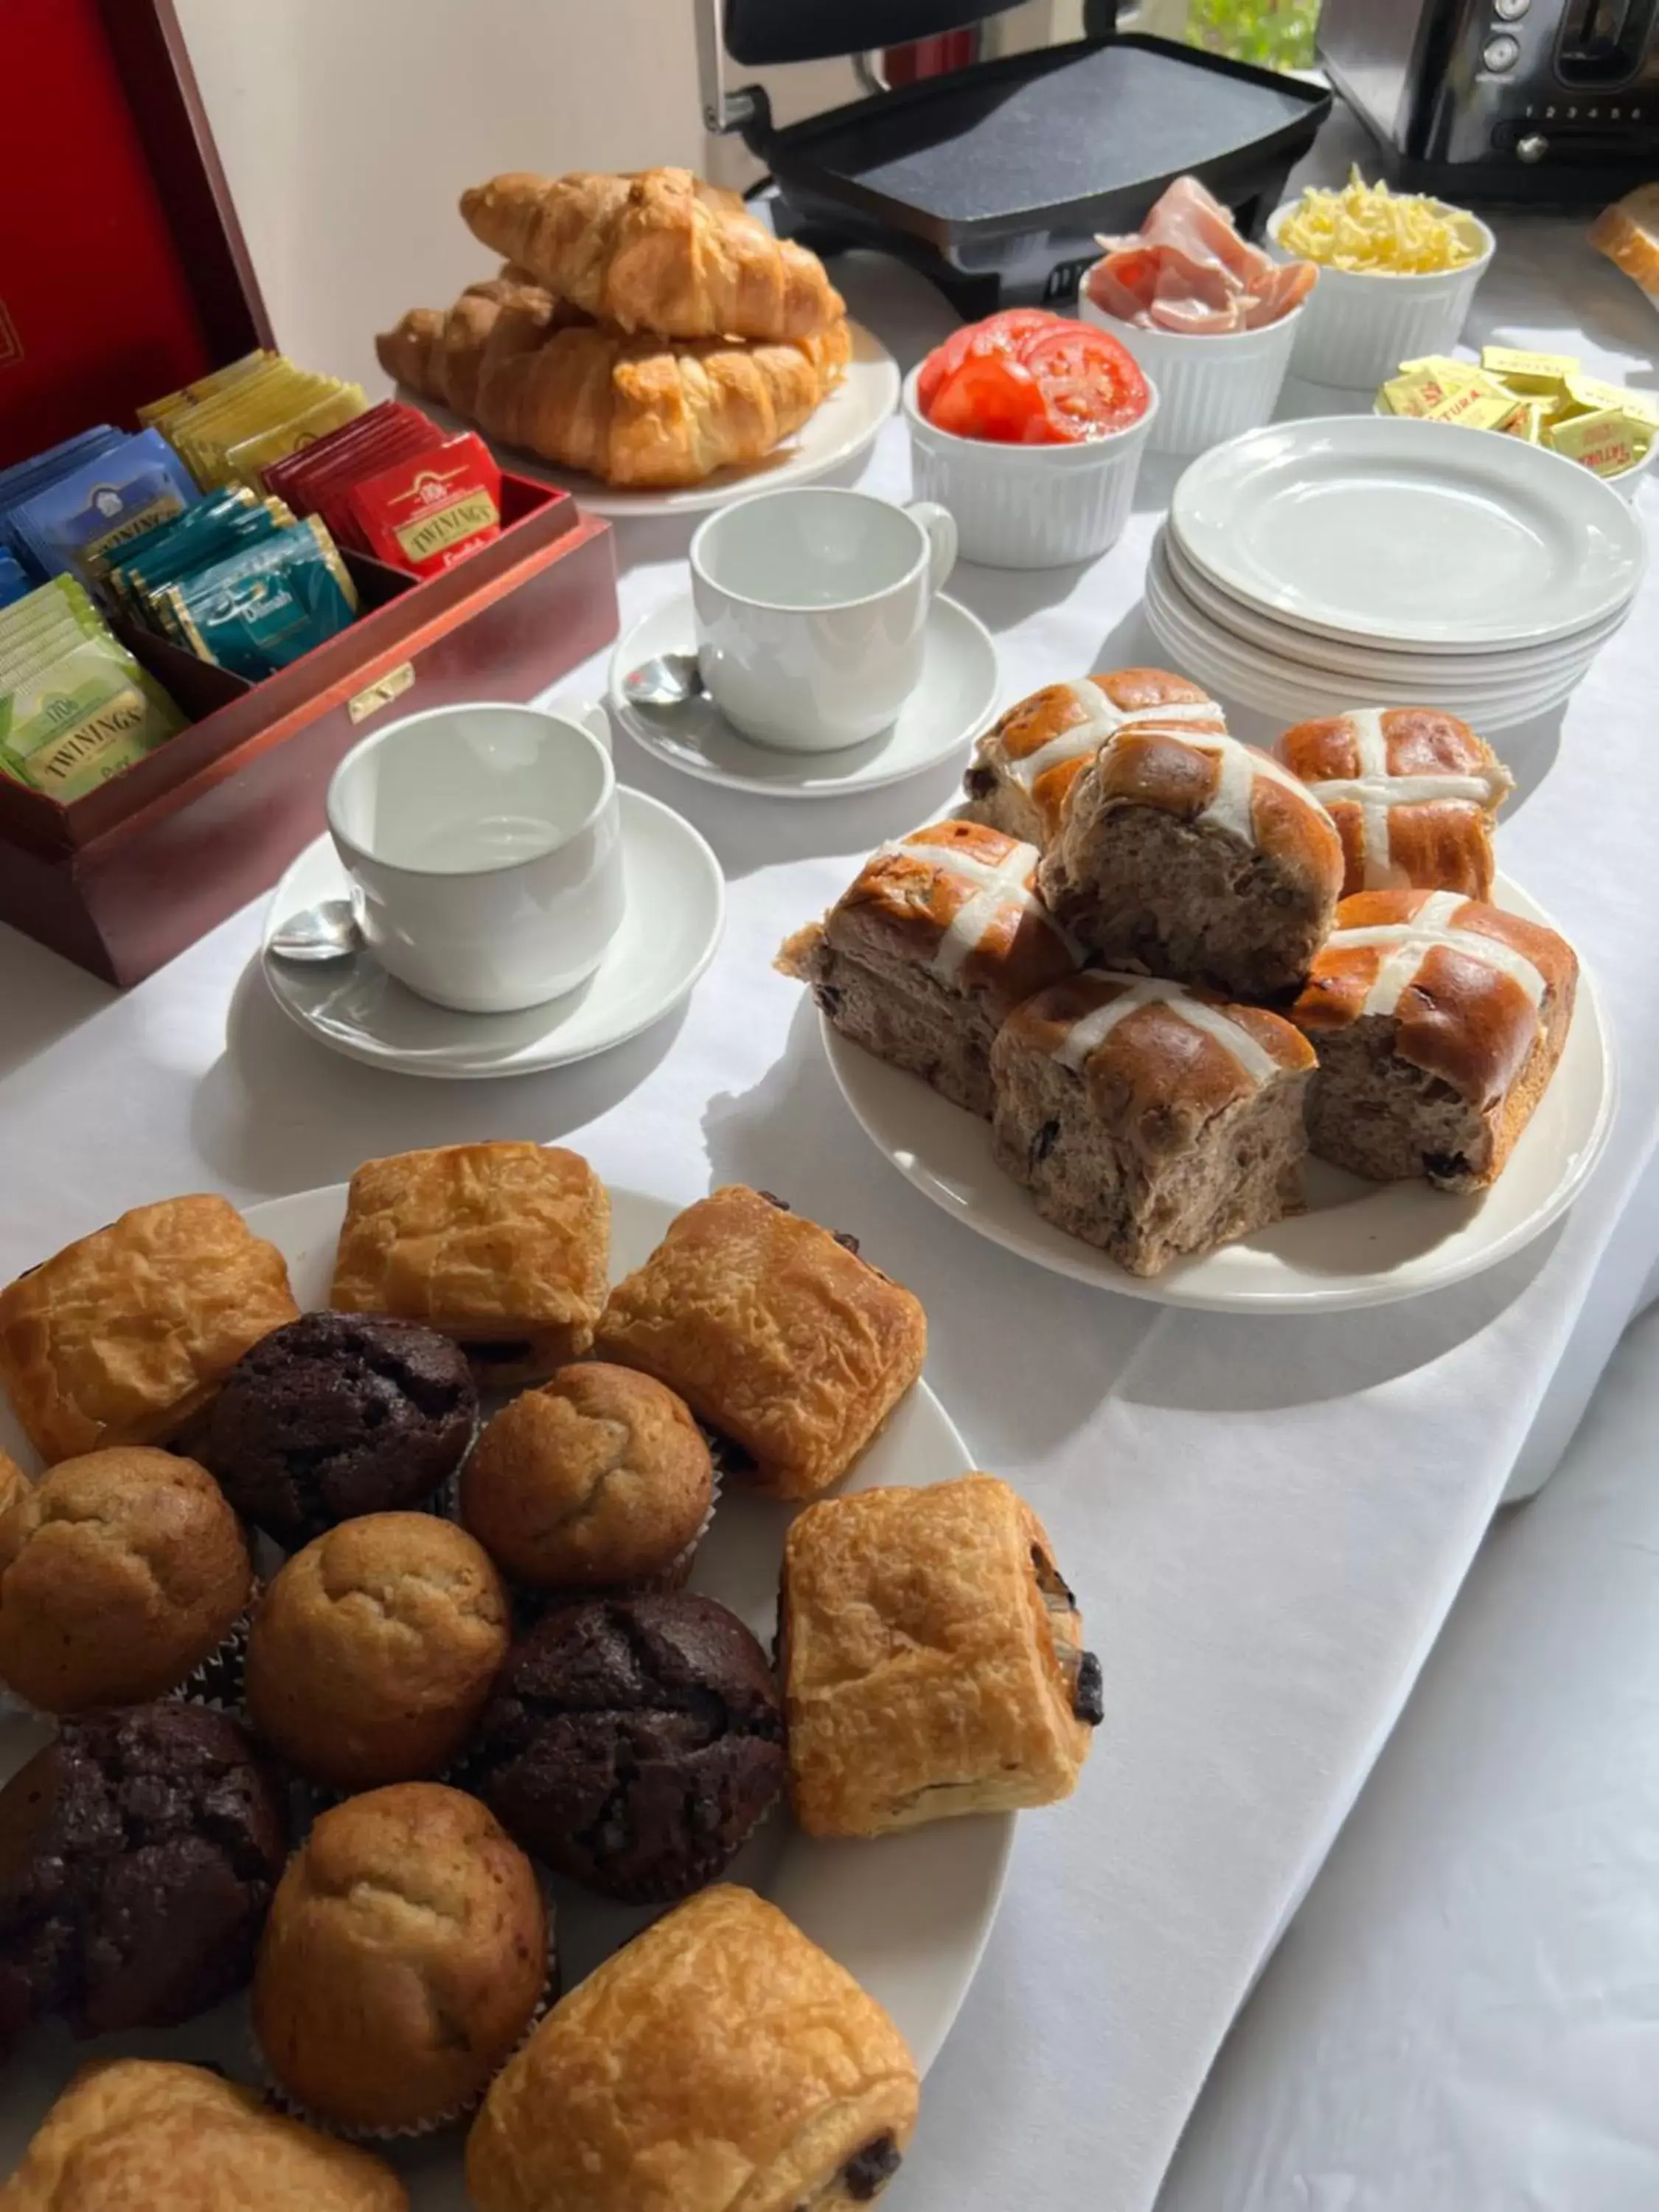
(126, 276)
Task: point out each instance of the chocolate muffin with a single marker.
(337, 1415)
(138, 1853)
(633, 1743)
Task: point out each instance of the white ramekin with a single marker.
(1028, 507)
(1358, 327)
(1210, 385)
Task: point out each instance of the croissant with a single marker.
(659, 251)
(633, 410)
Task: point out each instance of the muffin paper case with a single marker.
(458, 2115)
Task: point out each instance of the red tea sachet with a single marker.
(429, 509)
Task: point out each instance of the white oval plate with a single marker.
(1358, 1243)
(955, 699)
(672, 931)
(1359, 526)
(1244, 625)
(908, 1915)
(837, 432)
(1291, 692)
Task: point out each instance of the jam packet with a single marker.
(89, 713)
(427, 512)
(264, 607)
(81, 521)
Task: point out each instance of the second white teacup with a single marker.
(812, 611)
(485, 847)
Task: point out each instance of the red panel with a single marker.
(934, 56)
(96, 313)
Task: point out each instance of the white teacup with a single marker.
(812, 611)
(484, 846)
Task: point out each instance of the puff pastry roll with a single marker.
(505, 1247)
(124, 1337)
(1026, 764)
(933, 1660)
(1414, 793)
(1150, 1119)
(1439, 1022)
(786, 1345)
(925, 956)
(1188, 854)
(719, 2061)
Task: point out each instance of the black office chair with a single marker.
(994, 180)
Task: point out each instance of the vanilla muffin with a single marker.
(599, 1480)
(372, 1653)
(129, 2134)
(126, 1570)
(403, 1959)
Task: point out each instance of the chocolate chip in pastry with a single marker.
(933, 1660)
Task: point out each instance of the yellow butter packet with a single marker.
(1424, 390)
(1441, 364)
(1605, 442)
(1525, 419)
(1474, 410)
(1588, 395)
(1525, 371)
(157, 410)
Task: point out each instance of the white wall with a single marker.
(349, 128)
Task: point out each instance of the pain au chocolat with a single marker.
(785, 1342)
(124, 1337)
(503, 1247)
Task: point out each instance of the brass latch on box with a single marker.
(380, 693)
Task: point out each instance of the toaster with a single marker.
(1554, 100)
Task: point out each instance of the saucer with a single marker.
(676, 908)
(955, 699)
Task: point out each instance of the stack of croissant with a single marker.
(646, 328)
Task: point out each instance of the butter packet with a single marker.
(261, 609)
(82, 521)
(1607, 442)
(90, 714)
(1528, 372)
(1589, 395)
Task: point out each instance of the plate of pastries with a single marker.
(645, 343)
(1212, 1025)
(514, 1695)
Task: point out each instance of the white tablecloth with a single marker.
(1268, 1519)
(1462, 2014)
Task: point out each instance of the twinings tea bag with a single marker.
(82, 520)
(429, 511)
(204, 387)
(75, 724)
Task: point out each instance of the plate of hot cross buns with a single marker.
(645, 343)
(1212, 1025)
(423, 1594)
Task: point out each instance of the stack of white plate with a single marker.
(1361, 561)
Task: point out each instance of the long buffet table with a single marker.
(1268, 1519)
